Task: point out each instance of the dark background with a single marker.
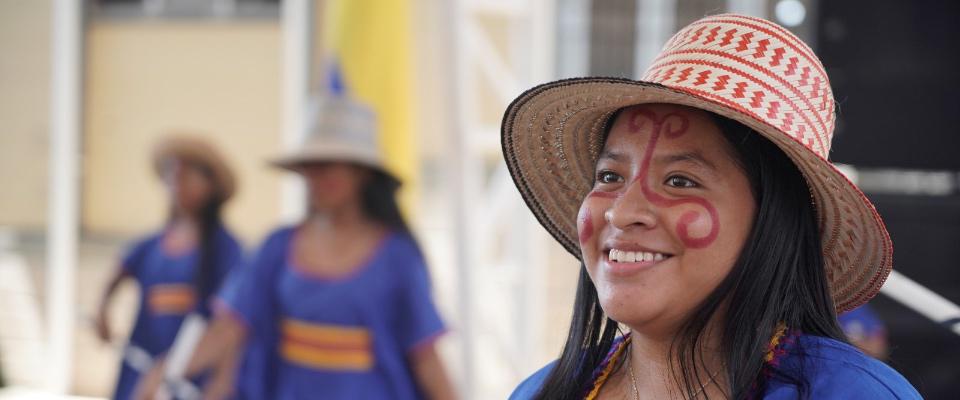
(895, 70)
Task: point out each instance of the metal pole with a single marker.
(463, 183)
(62, 218)
(297, 22)
(922, 300)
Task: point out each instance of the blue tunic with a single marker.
(337, 338)
(834, 370)
(167, 294)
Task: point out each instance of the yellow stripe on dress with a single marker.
(171, 299)
(326, 346)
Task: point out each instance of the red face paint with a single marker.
(671, 125)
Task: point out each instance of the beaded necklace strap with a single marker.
(603, 371)
(782, 338)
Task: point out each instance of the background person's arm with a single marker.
(103, 311)
(430, 374)
(223, 338)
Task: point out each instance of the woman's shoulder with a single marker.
(530, 386)
(142, 244)
(279, 236)
(147, 239)
(402, 248)
(228, 238)
(834, 369)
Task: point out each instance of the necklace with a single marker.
(633, 380)
(636, 391)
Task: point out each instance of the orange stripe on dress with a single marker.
(326, 346)
(171, 299)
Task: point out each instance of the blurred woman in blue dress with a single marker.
(180, 266)
(337, 306)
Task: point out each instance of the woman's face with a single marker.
(189, 187)
(669, 212)
(332, 185)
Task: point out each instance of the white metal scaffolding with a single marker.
(496, 236)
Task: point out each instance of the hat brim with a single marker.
(552, 137)
(197, 150)
(294, 161)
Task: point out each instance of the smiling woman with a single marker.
(658, 248)
(710, 225)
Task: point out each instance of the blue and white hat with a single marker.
(341, 130)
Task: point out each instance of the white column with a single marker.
(573, 31)
(462, 184)
(532, 249)
(754, 8)
(656, 22)
(62, 219)
(297, 21)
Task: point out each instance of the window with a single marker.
(213, 9)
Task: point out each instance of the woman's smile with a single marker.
(625, 259)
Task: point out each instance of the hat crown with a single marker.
(342, 121)
(756, 67)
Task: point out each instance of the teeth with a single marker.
(634, 256)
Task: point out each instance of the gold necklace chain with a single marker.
(633, 380)
(636, 391)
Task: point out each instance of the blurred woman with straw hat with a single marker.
(180, 267)
(341, 301)
(709, 223)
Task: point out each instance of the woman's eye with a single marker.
(681, 182)
(608, 177)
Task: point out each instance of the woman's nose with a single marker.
(632, 209)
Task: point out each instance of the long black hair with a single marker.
(778, 277)
(206, 278)
(378, 196)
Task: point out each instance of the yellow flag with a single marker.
(369, 52)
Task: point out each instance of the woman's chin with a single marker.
(629, 310)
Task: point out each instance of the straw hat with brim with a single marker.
(743, 68)
(342, 130)
(196, 150)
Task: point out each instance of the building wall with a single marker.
(24, 107)
(145, 79)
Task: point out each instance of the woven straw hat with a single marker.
(342, 130)
(746, 69)
(194, 149)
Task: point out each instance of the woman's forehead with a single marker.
(673, 125)
(648, 115)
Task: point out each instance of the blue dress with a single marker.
(338, 338)
(167, 295)
(834, 370)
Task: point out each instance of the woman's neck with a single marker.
(656, 370)
(335, 244)
(182, 234)
(347, 217)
